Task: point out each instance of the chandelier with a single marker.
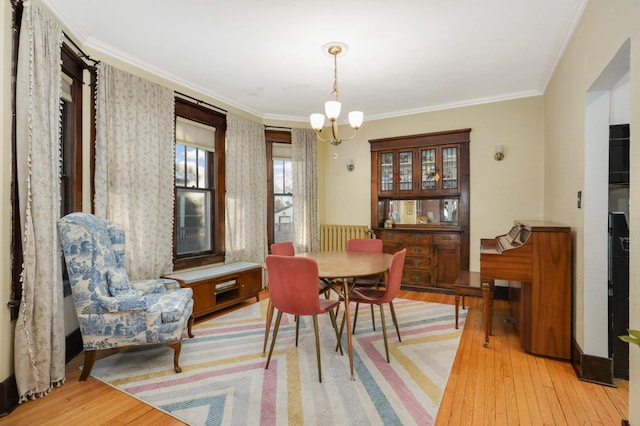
(332, 108)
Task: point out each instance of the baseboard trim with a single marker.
(8, 395)
(591, 368)
(9, 388)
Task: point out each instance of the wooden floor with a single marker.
(499, 385)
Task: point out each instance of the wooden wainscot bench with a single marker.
(219, 286)
(469, 283)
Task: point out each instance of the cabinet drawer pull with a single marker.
(415, 237)
(417, 250)
(446, 238)
(416, 264)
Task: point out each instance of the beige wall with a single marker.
(6, 326)
(501, 191)
(604, 27)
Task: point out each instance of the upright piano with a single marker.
(538, 256)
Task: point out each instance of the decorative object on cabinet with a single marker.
(332, 108)
(420, 190)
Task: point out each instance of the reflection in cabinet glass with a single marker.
(406, 171)
(428, 169)
(386, 172)
(449, 168)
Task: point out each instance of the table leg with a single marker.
(487, 303)
(345, 290)
(457, 308)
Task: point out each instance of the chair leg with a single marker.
(339, 345)
(384, 332)
(315, 329)
(297, 319)
(335, 328)
(273, 338)
(395, 320)
(176, 355)
(190, 326)
(267, 327)
(89, 359)
(373, 318)
(355, 318)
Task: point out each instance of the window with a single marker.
(199, 185)
(71, 132)
(194, 147)
(279, 187)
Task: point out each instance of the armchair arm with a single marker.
(159, 285)
(127, 301)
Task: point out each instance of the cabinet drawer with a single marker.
(392, 246)
(418, 262)
(419, 251)
(420, 239)
(386, 235)
(416, 277)
(446, 238)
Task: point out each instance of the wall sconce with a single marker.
(499, 155)
(350, 165)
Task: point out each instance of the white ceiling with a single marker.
(265, 56)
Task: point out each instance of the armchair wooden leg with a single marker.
(190, 326)
(89, 359)
(176, 355)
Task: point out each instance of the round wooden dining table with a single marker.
(336, 267)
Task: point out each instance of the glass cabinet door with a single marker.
(450, 168)
(405, 170)
(428, 163)
(386, 171)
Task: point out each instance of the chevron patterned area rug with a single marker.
(224, 382)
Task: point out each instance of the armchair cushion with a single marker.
(118, 281)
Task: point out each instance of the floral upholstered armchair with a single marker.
(114, 312)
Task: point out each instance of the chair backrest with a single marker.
(283, 249)
(91, 246)
(395, 276)
(293, 284)
(365, 244)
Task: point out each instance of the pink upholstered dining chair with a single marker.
(370, 245)
(379, 297)
(286, 249)
(293, 285)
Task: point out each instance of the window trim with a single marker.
(271, 137)
(198, 113)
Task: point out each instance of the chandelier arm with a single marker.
(320, 137)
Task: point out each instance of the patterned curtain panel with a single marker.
(246, 199)
(306, 222)
(134, 179)
(39, 346)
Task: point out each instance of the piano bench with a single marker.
(468, 283)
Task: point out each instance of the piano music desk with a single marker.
(468, 283)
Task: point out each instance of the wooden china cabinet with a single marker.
(420, 201)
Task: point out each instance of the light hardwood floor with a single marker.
(499, 385)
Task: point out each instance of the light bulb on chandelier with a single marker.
(332, 108)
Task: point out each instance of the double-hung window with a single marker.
(194, 189)
(199, 185)
(280, 187)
